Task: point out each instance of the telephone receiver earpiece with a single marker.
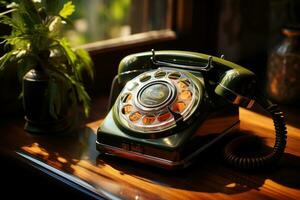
(238, 87)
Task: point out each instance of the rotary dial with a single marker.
(145, 102)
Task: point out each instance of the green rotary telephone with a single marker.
(169, 106)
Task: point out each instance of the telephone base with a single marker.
(175, 151)
(157, 161)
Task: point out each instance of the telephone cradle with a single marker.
(169, 106)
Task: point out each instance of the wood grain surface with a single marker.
(75, 158)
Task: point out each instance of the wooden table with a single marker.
(73, 159)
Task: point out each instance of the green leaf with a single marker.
(86, 61)
(71, 57)
(4, 60)
(67, 10)
(83, 97)
(68, 51)
(54, 25)
(9, 21)
(12, 5)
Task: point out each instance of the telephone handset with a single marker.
(168, 106)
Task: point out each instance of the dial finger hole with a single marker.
(135, 116)
(164, 117)
(174, 75)
(185, 95)
(160, 74)
(148, 119)
(183, 84)
(127, 109)
(179, 106)
(126, 97)
(145, 78)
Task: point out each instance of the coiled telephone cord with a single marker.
(247, 162)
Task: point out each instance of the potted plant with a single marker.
(51, 71)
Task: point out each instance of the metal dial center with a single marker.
(154, 95)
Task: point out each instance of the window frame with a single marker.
(138, 39)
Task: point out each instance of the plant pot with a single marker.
(36, 106)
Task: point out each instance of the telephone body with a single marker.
(169, 106)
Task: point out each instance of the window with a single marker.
(98, 20)
(112, 29)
